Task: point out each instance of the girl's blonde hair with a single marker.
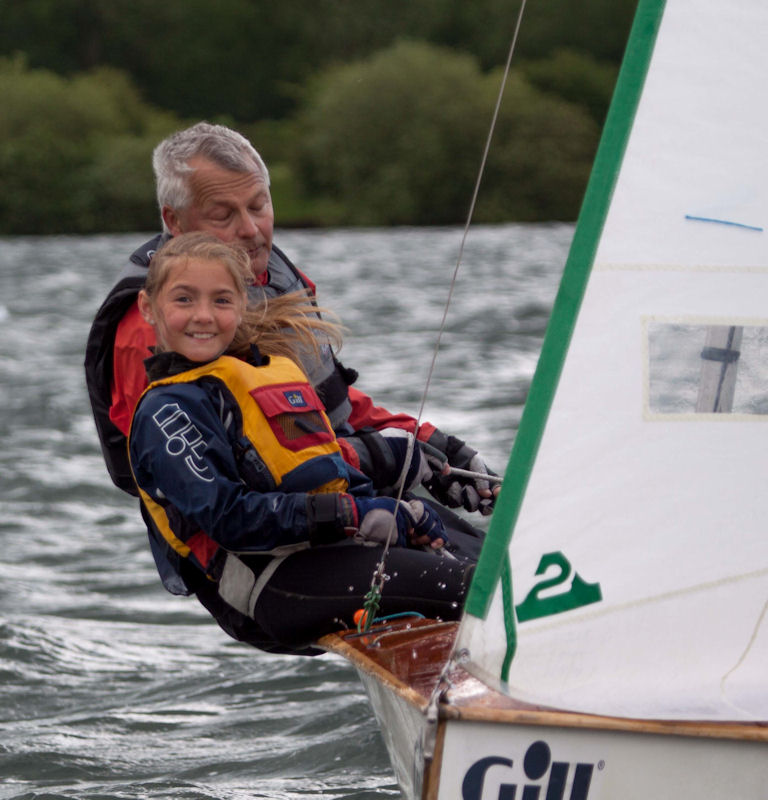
(288, 325)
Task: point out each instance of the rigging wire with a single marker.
(370, 604)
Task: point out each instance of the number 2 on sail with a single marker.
(580, 593)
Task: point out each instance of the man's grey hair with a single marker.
(217, 143)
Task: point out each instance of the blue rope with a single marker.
(368, 619)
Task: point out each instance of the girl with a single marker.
(248, 502)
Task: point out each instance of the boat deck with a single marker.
(411, 657)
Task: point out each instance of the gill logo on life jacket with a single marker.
(182, 438)
(295, 398)
(578, 593)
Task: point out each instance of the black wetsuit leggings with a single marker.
(317, 591)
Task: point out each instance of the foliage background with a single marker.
(367, 112)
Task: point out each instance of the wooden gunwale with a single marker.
(427, 645)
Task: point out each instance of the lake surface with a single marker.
(112, 688)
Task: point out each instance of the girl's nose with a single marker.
(203, 311)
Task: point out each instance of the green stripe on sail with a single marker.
(509, 617)
(589, 229)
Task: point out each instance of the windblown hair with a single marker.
(288, 325)
(217, 143)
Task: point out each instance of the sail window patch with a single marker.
(706, 368)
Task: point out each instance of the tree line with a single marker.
(367, 113)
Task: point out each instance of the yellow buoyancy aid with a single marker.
(282, 418)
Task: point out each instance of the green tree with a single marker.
(598, 27)
(75, 152)
(398, 139)
(575, 76)
(250, 59)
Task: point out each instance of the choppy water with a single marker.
(112, 688)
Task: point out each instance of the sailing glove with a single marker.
(382, 520)
(452, 490)
(412, 520)
(425, 522)
(333, 517)
(382, 455)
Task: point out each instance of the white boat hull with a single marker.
(490, 761)
(403, 728)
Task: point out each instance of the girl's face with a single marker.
(196, 311)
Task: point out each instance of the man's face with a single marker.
(236, 207)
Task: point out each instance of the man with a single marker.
(210, 178)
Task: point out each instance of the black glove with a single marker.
(452, 490)
(382, 456)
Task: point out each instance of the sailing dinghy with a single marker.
(615, 640)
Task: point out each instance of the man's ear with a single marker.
(171, 220)
(145, 307)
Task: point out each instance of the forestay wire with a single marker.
(371, 602)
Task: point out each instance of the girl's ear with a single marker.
(145, 307)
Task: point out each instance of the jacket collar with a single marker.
(167, 364)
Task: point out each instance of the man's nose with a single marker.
(246, 225)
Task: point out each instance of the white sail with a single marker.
(639, 550)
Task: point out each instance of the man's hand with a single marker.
(472, 493)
